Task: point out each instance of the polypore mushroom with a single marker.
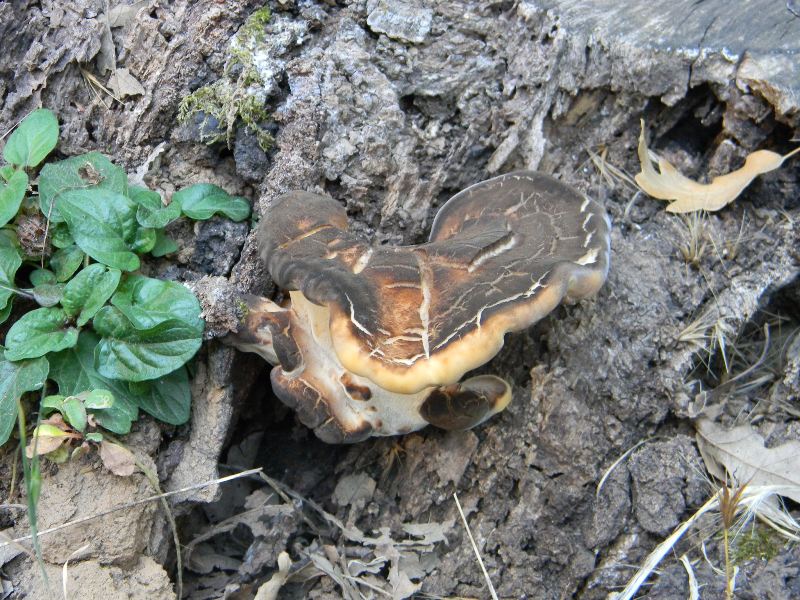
(376, 339)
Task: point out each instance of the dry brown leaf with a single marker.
(123, 84)
(46, 438)
(688, 195)
(120, 461)
(740, 453)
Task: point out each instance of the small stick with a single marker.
(132, 504)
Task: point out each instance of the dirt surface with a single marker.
(390, 108)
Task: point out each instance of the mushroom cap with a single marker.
(501, 255)
(339, 406)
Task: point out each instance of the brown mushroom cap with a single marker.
(501, 255)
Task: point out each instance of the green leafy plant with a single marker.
(73, 234)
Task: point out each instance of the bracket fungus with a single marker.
(376, 339)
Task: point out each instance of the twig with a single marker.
(135, 503)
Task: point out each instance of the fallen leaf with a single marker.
(46, 438)
(688, 195)
(354, 488)
(269, 591)
(431, 533)
(118, 460)
(122, 14)
(123, 84)
(356, 567)
(739, 453)
(106, 58)
(205, 560)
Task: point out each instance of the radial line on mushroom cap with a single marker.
(353, 319)
(425, 282)
(506, 243)
(526, 294)
(304, 235)
(477, 318)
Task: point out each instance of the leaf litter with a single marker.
(389, 562)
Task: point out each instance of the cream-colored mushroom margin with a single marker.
(470, 351)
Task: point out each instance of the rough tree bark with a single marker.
(391, 107)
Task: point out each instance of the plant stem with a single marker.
(728, 579)
(16, 291)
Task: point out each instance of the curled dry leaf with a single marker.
(269, 591)
(688, 195)
(739, 453)
(46, 438)
(120, 461)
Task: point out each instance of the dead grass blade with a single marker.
(65, 569)
(475, 549)
(751, 501)
(611, 174)
(694, 589)
(616, 463)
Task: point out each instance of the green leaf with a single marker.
(167, 398)
(6, 312)
(146, 302)
(88, 291)
(6, 171)
(33, 139)
(10, 261)
(98, 399)
(151, 211)
(66, 261)
(102, 224)
(131, 354)
(48, 294)
(203, 200)
(73, 370)
(8, 239)
(38, 332)
(92, 170)
(41, 277)
(50, 404)
(11, 195)
(16, 378)
(61, 237)
(164, 245)
(95, 437)
(75, 413)
(144, 241)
